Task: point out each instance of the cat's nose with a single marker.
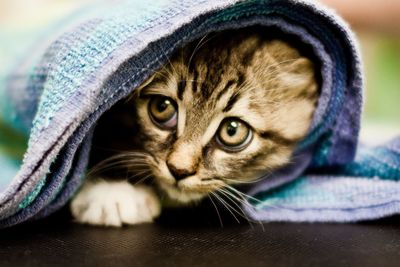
(179, 174)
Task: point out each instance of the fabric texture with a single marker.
(55, 97)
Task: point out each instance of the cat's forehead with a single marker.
(240, 77)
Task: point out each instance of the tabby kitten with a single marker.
(225, 111)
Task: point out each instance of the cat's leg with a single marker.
(114, 203)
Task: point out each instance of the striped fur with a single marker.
(244, 74)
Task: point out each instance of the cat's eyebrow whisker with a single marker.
(228, 207)
(153, 71)
(200, 44)
(216, 209)
(164, 68)
(174, 72)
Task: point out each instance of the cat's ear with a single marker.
(298, 75)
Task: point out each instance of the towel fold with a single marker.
(54, 98)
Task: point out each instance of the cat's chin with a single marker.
(180, 196)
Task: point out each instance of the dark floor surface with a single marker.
(195, 238)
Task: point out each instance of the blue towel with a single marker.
(54, 97)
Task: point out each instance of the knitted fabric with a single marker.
(54, 98)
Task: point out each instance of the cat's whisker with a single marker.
(228, 207)
(199, 45)
(115, 165)
(132, 159)
(164, 67)
(243, 200)
(144, 179)
(191, 56)
(229, 195)
(241, 74)
(235, 200)
(242, 194)
(139, 174)
(241, 213)
(216, 209)
(129, 154)
(174, 72)
(125, 153)
(123, 161)
(153, 71)
(125, 158)
(244, 182)
(238, 198)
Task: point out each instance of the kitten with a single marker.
(224, 111)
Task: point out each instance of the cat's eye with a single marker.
(163, 111)
(234, 134)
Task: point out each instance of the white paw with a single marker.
(114, 203)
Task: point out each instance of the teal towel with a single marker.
(56, 93)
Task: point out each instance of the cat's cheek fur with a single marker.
(114, 203)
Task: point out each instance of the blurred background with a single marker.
(376, 23)
(377, 26)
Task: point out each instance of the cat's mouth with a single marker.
(190, 189)
(178, 194)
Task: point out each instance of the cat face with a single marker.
(224, 111)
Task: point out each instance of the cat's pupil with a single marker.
(163, 105)
(232, 128)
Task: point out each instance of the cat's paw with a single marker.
(115, 204)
